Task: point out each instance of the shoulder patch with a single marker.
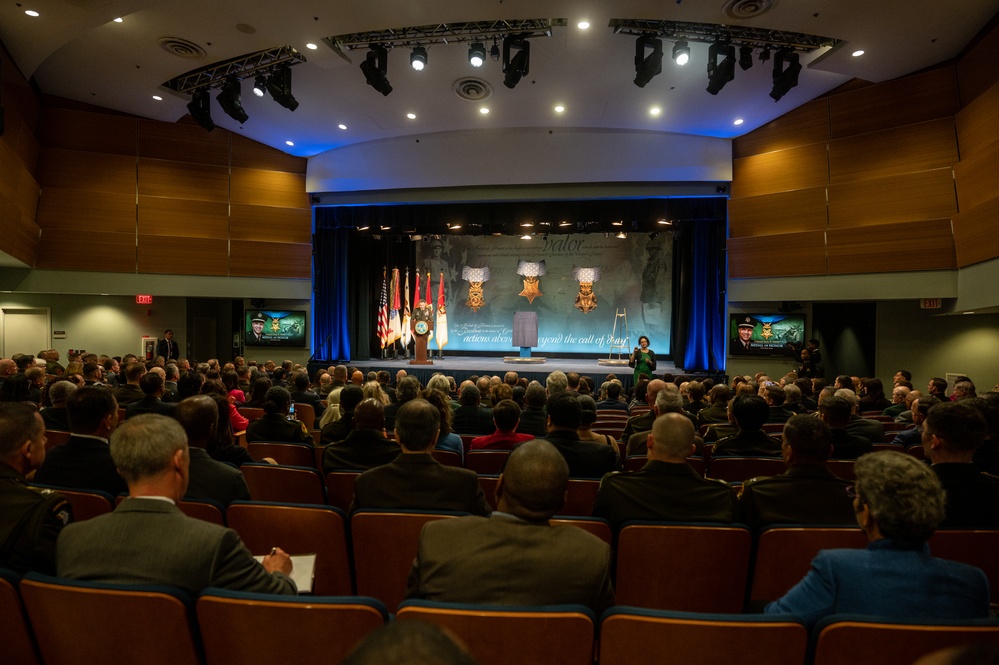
(62, 511)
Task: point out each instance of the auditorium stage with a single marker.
(463, 367)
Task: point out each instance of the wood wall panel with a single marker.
(20, 233)
(271, 224)
(805, 125)
(975, 234)
(80, 212)
(977, 177)
(924, 245)
(181, 217)
(919, 147)
(777, 255)
(89, 171)
(27, 148)
(269, 188)
(170, 255)
(781, 171)
(270, 259)
(248, 154)
(978, 123)
(96, 251)
(88, 132)
(11, 170)
(914, 196)
(976, 71)
(183, 180)
(27, 195)
(926, 96)
(183, 143)
(786, 212)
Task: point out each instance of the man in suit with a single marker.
(469, 417)
(339, 429)
(717, 412)
(302, 394)
(517, 557)
(208, 478)
(415, 480)
(407, 388)
(871, 430)
(152, 386)
(129, 392)
(84, 462)
(952, 432)
(366, 447)
(914, 437)
(31, 518)
(171, 374)
(807, 492)
(506, 417)
(55, 416)
(586, 459)
(643, 423)
(773, 394)
(835, 412)
(667, 401)
(166, 347)
(533, 419)
(148, 540)
(666, 488)
(611, 392)
(749, 413)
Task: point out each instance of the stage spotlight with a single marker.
(622, 235)
(745, 57)
(647, 66)
(720, 73)
(681, 52)
(375, 68)
(259, 86)
(519, 65)
(200, 108)
(418, 58)
(279, 85)
(494, 51)
(765, 54)
(785, 78)
(229, 100)
(477, 54)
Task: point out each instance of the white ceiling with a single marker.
(74, 49)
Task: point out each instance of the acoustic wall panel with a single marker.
(785, 212)
(920, 245)
(975, 234)
(978, 123)
(905, 149)
(250, 222)
(182, 218)
(183, 180)
(269, 188)
(977, 177)
(902, 198)
(182, 143)
(87, 131)
(88, 171)
(96, 251)
(270, 259)
(780, 171)
(778, 255)
(805, 125)
(248, 154)
(80, 212)
(189, 256)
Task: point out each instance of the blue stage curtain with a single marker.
(331, 299)
(699, 292)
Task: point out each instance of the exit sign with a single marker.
(930, 303)
(143, 300)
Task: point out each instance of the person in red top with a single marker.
(506, 417)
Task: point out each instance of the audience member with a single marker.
(274, 424)
(55, 416)
(667, 401)
(408, 643)
(152, 386)
(717, 409)
(406, 389)
(366, 446)
(585, 458)
(748, 412)
(914, 436)
(469, 417)
(130, 391)
(871, 430)
(643, 422)
(506, 417)
(207, 478)
(835, 412)
(533, 419)
(611, 393)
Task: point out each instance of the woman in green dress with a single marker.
(643, 359)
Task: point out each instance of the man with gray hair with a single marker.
(556, 382)
(643, 422)
(55, 416)
(516, 557)
(666, 488)
(148, 540)
(898, 502)
(533, 419)
(667, 401)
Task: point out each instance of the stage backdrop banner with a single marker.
(636, 275)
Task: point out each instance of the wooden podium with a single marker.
(421, 328)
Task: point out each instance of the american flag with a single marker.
(383, 325)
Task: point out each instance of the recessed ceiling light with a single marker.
(311, 46)
(31, 12)
(119, 20)
(655, 110)
(526, 236)
(619, 222)
(970, 312)
(289, 143)
(565, 222)
(157, 98)
(583, 25)
(559, 108)
(484, 110)
(738, 121)
(411, 116)
(858, 53)
(342, 126)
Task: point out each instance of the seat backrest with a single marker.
(488, 485)
(630, 636)
(842, 468)
(635, 462)
(975, 547)
(18, 642)
(736, 469)
(772, 428)
(784, 555)
(580, 497)
(498, 636)
(251, 413)
(298, 529)
(709, 566)
(486, 461)
(595, 525)
(288, 484)
(55, 438)
(288, 454)
(385, 543)
(447, 457)
(84, 622)
(340, 488)
(85, 503)
(239, 628)
(306, 413)
(466, 441)
(203, 509)
(848, 640)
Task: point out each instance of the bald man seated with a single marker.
(516, 556)
(666, 488)
(366, 446)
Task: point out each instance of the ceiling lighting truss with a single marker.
(709, 33)
(443, 33)
(214, 76)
